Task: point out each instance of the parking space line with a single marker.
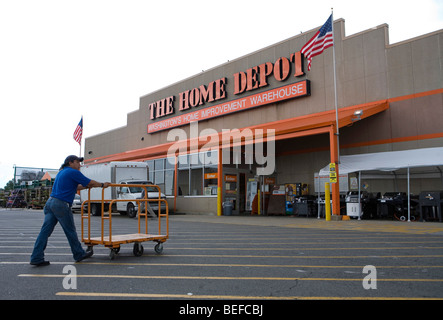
(268, 248)
(232, 242)
(246, 256)
(211, 265)
(120, 276)
(223, 297)
(308, 249)
(303, 256)
(273, 237)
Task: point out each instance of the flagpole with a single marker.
(335, 90)
(336, 187)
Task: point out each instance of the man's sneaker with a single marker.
(87, 255)
(40, 264)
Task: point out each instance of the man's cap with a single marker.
(72, 158)
(69, 159)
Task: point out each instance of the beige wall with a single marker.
(368, 69)
(195, 205)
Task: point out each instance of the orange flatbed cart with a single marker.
(115, 241)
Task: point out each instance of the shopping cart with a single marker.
(114, 242)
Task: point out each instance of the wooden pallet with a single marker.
(116, 240)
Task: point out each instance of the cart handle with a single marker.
(144, 186)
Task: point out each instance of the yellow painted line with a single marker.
(403, 228)
(224, 297)
(221, 242)
(254, 265)
(236, 239)
(28, 247)
(294, 238)
(302, 256)
(299, 243)
(249, 256)
(270, 248)
(120, 276)
(229, 265)
(307, 249)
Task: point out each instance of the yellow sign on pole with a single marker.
(332, 173)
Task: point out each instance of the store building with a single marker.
(390, 98)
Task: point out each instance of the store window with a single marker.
(160, 179)
(211, 178)
(211, 172)
(151, 170)
(183, 175)
(161, 173)
(159, 164)
(196, 182)
(169, 183)
(183, 182)
(183, 161)
(192, 178)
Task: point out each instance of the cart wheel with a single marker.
(158, 248)
(114, 252)
(90, 249)
(138, 249)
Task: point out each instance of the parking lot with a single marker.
(231, 258)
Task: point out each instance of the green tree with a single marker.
(9, 185)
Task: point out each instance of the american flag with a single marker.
(79, 131)
(322, 40)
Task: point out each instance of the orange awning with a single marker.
(312, 124)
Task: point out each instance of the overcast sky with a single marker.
(63, 59)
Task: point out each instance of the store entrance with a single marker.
(234, 189)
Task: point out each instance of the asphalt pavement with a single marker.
(251, 258)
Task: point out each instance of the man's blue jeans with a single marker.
(57, 211)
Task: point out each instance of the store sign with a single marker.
(244, 82)
(332, 173)
(212, 175)
(230, 178)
